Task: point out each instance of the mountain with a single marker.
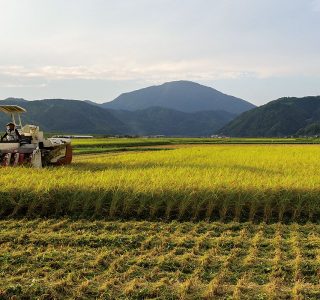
(83, 117)
(164, 121)
(16, 100)
(184, 96)
(67, 116)
(179, 108)
(91, 102)
(282, 117)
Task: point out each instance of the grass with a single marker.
(67, 259)
(270, 183)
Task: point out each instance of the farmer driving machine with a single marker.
(27, 145)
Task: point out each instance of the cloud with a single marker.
(169, 70)
(13, 85)
(204, 69)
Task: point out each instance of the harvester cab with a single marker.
(32, 148)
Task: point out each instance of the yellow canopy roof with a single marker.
(11, 109)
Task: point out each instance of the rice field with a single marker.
(270, 183)
(164, 220)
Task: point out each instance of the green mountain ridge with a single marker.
(67, 116)
(163, 121)
(83, 117)
(283, 117)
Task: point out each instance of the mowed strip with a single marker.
(56, 259)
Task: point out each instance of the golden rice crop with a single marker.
(225, 182)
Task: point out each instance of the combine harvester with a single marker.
(32, 148)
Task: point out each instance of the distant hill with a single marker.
(282, 117)
(67, 116)
(184, 96)
(86, 117)
(164, 121)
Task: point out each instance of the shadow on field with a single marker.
(101, 150)
(225, 205)
(109, 165)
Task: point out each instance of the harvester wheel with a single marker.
(6, 160)
(15, 159)
(21, 158)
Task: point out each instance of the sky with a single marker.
(258, 50)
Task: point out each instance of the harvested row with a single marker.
(269, 183)
(56, 259)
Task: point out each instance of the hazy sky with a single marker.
(258, 50)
